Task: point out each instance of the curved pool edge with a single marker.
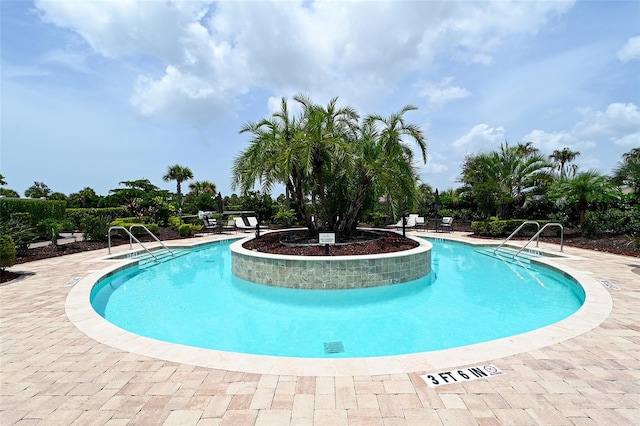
(595, 309)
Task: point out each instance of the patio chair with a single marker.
(410, 223)
(446, 224)
(230, 226)
(239, 222)
(253, 222)
(210, 225)
(420, 223)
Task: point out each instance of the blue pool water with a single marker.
(468, 298)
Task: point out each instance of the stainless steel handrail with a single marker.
(526, 222)
(540, 232)
(150, 233)
(131, 237)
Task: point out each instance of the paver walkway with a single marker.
(53, 374)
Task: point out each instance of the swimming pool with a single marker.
(468, 298)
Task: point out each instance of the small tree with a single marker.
(582, 189)
(37, 190)
(7, 252)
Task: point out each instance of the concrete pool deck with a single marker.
(53, 373)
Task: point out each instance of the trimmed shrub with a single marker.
(38, 209)
(187, 229)
(7, 252)
(503, 228)
(137, 231)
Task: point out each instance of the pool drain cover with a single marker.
(333, 347)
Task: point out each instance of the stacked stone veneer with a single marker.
(331, 272)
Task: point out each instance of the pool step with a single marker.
(507, 254)
(145, 260)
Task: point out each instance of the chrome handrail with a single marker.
(540, 232)
(150, 233)
(526, 222)
(131, 237)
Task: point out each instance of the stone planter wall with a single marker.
(331, 272)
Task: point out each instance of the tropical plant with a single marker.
(504, 178)
(202, 187)
(37, 190)
(561, 162)
(627, 172)
(142, 198)
(19, 230)
(85, 198)
(582, 189)
(327, 159)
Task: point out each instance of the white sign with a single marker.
(326, 238)
(462, 375)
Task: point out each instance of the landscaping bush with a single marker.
(77, 216)
(51, 229)
(21, 232)
(137, 231)
(503, 228)
(7, 252)
(38, 209)
(187, 229)
(95, 227)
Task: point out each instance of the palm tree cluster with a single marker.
(330, 158)
(501, 180)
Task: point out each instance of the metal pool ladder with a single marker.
(133, 238)
(535, 237)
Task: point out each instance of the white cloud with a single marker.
(70, 59)
(631, 50)
(218, 51)
(481, 137)
(442, 92)
(618, 124)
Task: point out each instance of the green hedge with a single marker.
(38, 209)
(503, 228)
(128, 221)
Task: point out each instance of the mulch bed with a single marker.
(388, 242)
(617, 244)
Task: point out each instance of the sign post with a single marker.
(326, 239)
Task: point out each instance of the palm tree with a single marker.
(628, 170)
(274, 156)
(179, 174)
(561, 159)
(392, 158)
(202, 187)
(325, 157)
(505, 177)
(583, 188)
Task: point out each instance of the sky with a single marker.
(98, 92)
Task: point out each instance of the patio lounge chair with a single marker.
(239, 222)
(230, 226)
(410, 223)
(210, 225)
(446, 224)
(253, 222)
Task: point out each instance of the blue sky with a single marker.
(97, 92)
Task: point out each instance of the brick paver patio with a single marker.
(52, 373)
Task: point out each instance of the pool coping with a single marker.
(595, 309)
